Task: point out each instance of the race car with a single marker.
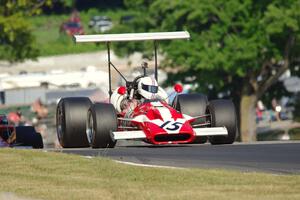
(140, 109)
(12, 136)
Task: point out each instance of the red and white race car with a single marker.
(140, 110)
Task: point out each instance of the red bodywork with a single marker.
(161, 123)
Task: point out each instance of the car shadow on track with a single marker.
(155, 146)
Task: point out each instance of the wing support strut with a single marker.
(110, 64)
(155, 56)
(109, 71)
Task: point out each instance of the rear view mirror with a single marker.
(178, 88)
(122, 90)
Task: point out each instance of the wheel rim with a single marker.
(59, 123)
(90, 127)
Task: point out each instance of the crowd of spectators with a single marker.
(269, 115)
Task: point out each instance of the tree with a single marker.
(237, 48)
(17, 42)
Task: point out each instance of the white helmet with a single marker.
(148, 87)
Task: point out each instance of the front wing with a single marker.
(127, 135)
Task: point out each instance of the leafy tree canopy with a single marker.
(17, 42)
(239, 48)
(229, 36)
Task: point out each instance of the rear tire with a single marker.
(71, 121)
(223, 114)
(27, 136)
(102, 120)
(192, 105)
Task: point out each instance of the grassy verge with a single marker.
(270, 135)
(294, 134)
(40, 175)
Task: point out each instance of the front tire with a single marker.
(102, 120)
(223, 114)
(71, 121)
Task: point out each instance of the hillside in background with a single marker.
(50, 41)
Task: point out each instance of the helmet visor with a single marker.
(150, 88)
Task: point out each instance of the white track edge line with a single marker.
(147, 165)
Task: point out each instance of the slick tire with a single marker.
(223, 115)
(71, 116)
(102, 120)
(192, 105)
(27, 136)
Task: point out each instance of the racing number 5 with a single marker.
(171, 127)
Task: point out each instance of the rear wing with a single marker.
(108, 38)
(132, 37)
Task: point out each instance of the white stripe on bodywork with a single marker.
(164, 112)
(141, 119)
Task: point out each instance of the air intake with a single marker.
(172, 137)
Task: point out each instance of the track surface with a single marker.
(280, 157)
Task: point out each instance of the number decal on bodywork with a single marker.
(171, 126)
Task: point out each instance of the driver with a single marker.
(147, 89)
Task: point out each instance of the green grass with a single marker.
(50, 42)
(42, 175)
(295, 133)
(270, 135)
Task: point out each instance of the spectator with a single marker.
(260, 111)
(39, 109)
(17, 118)
(276, 109)
(75, 16)
(13, 118)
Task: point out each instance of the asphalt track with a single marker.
(278, 157)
